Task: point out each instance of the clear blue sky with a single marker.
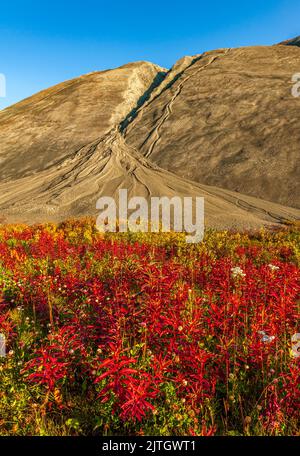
(46, 42)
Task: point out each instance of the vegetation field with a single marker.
(143, 334)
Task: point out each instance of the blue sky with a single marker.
(43, 43)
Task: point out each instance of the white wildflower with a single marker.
(273, 267)
(237, 272)
(265, 338)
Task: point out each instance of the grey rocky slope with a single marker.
(292, 42)
(227, 118)
(53, 124)
(63, 148)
